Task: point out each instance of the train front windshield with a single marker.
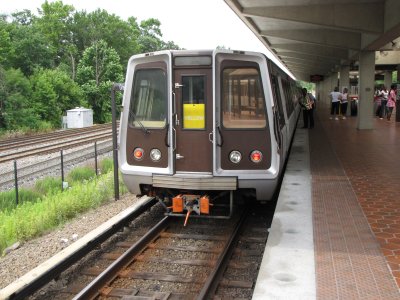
(148, 108)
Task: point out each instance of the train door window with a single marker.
(193, 102)
(148, 108)
(243, 104)
(278, 100)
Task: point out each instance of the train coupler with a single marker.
(199, 204)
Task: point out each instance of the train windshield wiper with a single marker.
(145, 130)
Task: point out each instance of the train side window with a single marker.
(288, 97)
(243, 104)
(193, 102)
(278, 100)
(148, 106)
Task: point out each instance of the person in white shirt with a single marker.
(336, 97)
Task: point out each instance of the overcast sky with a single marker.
(191, 24)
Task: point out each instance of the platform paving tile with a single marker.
(356, 186)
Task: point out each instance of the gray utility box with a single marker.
(79, 117)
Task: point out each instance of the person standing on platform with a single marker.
(336, 97)
(378, 102)
(391, 102)
(343, 103)
(307, 103)
(383, 93)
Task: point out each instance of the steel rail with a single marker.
(53, 148)
(12, 142)
(39, 280)
(212, 281)
(93, 289)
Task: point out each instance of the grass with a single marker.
(43, 127)
(49, 207)
(80, 174)
(106, 165)
(8, 199)
(48, 185)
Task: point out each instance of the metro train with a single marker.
(195, 124)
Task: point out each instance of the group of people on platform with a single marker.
(385, 101)
(339, 103)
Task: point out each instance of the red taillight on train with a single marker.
(138, 153)
(256, 156)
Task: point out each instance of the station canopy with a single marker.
(316, 37)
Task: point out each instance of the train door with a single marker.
(193, 120)
(243, 117)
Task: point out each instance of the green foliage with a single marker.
(30, 49)
(97, 70)
(59, 47)
(150, 38)
(48, 185)
(106, 165)
(31, 219)
(80, 174)
(5, 42)
(308, 85)
(8, 198)
(54, 92)
(16, 109)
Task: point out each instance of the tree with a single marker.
(16, 110)
(54, 92)
(54, 22)
(170, 45)
(150, 37)
(5, 42)
(99, 25)
(97, 70)
(30, 49)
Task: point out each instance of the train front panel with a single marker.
(198, 121)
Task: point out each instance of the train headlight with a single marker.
(138, 153)
(235, 156)
(256, 156)
(155, 155)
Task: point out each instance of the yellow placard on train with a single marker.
(194, 116)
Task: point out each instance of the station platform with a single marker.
(336, 228)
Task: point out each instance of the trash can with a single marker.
(354, 107)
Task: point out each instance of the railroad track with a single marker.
(208, 258)
(45, 137)
(62, 145)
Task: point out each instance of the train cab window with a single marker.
(243, 104)
(148, 108)
(193, 102)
